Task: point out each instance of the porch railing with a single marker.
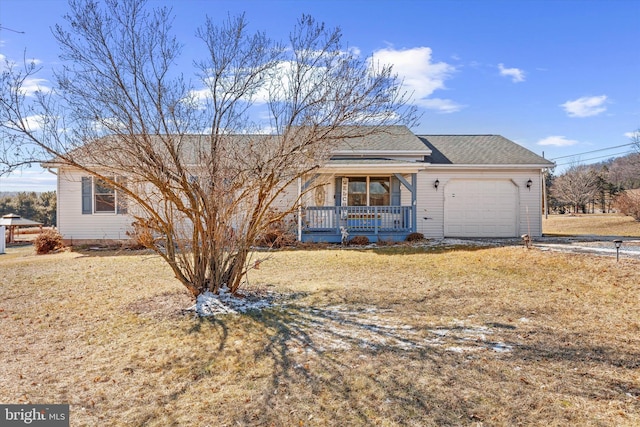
(370, 219)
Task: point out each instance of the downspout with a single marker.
(299, 209)
(50, 171)
(414, 202)
(544, 193)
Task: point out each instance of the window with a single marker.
(369, 191)
(98, 196)
(379, 191)
(357, 192)
(105, 196)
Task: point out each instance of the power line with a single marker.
(593, 158)
(15, 31)
(594, 151)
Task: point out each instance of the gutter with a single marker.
(488, 166)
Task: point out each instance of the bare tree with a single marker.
(635, 139)
(628, 203)
(576, 187)
(201, 175)
(624, 172)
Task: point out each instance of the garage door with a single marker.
(480, 208)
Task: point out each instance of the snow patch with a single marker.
(343, 328)
(209, 304)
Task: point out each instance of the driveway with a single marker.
(588, 244)
(597, 245)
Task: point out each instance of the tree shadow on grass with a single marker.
(367, 370)
(353, 364)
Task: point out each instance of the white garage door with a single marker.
(480, 208)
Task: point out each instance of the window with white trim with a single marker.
(104, 196)
(99, 196)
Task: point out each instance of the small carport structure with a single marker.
(13, 222)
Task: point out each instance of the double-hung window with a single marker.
(104, 196)
(99, 196)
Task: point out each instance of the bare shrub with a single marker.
(276, 239)
(359, 240)
(277, 235)
(141, 235)
(48, 241)
(385, 242)
(628, 203)
(414, 237)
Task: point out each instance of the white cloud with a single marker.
(273, 87)
(586, 106)
(516, 74)
(34, 179)
(30, 85)
(440, 105)
(5, 63)
(557, 141)
(421, 77)
(32, 123)
(33, 85)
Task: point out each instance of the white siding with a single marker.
(430, 207)
(327, 181)
(287, 198)
(73, 225)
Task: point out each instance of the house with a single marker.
(384, 186)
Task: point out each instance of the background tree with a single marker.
(26, 204)
(47, 208)
(624, 171)
(635, 139)
(576, 187)
(628, 203)
(200, 175)
(552, 204)
(38, 207)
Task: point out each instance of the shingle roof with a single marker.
(436, 149)
(362, 161)
(390, 138)
(357, 140)
(479, 150)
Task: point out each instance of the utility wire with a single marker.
(594, 151)
(593, 158)
(15, 31)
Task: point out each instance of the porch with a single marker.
(323, 223)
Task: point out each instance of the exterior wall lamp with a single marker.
(529, 184)
(436, 183)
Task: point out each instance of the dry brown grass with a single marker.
(595, 224)
(371, 337)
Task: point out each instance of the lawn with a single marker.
(395, 336)
(594, 224)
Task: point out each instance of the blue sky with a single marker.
(556, 76)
